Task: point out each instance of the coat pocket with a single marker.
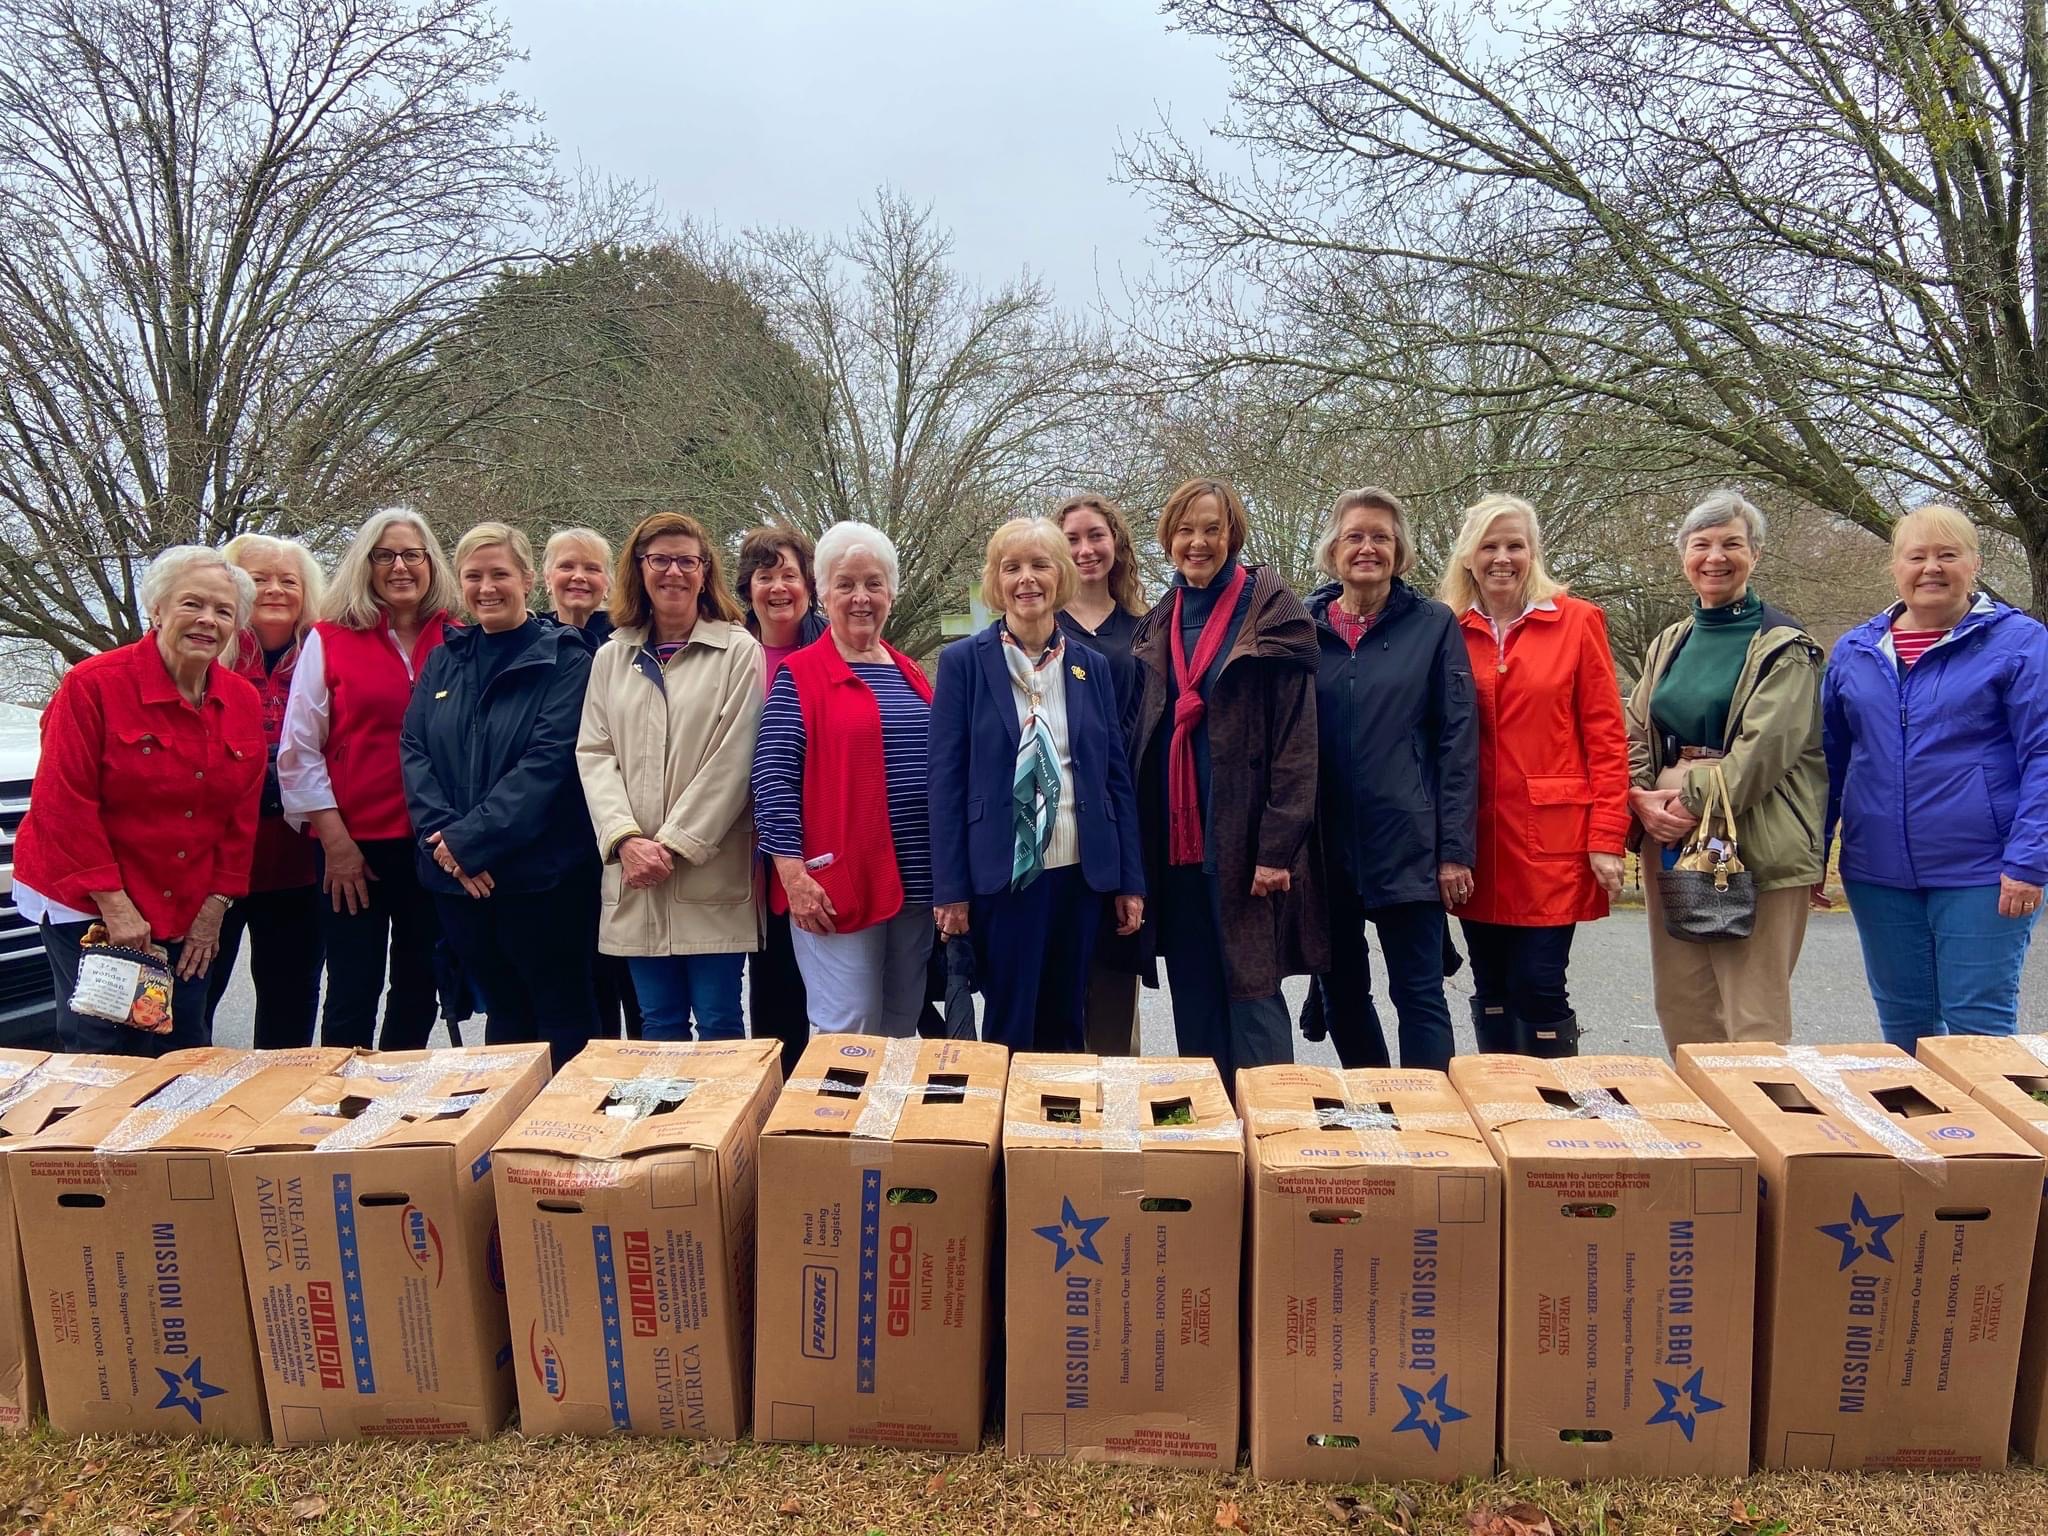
(1560, 815)
(613, 884)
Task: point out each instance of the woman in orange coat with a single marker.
(1553, 778)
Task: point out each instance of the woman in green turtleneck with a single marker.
(1738, 683)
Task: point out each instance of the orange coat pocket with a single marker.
(1560, 815)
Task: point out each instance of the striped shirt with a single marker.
(778, 775)
(1911, 644)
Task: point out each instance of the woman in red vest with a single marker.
(1553, 777)
(281, 913)
(338, 770)
(840, 799)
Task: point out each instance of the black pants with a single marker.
(527, 954)
(1411, 937)
(1521, 969)
(285, 951)
(617, 1003)
(399, 924)
(106, 1037)
(1031, 953)
(777, 1005)
(1207, 1021)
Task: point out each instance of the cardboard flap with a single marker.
(622, 1098)
(2008, 1074)
(869, 1088)
(1118, 1103)
(1846, 1100)
(1636, 1100)
(1385, 1113)
(205, 1098)
(446, 1098)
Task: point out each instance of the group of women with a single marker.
(617, 812)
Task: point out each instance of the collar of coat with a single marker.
(1400, 599)
(1276, 628)
(543, 643)
(1874, 633)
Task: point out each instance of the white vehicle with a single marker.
(26, 1016)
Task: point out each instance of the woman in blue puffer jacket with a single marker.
(1935, 720)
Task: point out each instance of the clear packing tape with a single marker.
(1593, 1100)
(889, 1091)
(1828, 1076)
(20, 1080)
(630, 1100)
(1377, 1132)
(178, 1101)
(1121, 1128)
(418, 1098)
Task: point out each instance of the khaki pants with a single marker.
(1739, 989)
(1112, 1012)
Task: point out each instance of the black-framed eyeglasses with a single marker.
(689, 565)
(385, 558)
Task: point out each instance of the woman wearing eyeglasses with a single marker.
(669, 721)
(338, 772)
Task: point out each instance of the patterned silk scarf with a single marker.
(1035, 786)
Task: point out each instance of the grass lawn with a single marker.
(57, 1487)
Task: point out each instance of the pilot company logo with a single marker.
(1430, 1410)
(1684, 1403)
(1862, 1233)
(188, 1389)
(1074, 1237)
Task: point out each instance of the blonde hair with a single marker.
(351, 599)
(589, 538)
(312, 580)
(1348, 502)
(1459, 590)
(1125, 584)
(1041, 536)
(1943, 522)
(484, 535)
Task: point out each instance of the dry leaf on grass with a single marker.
(181, 1519)
(790, 1506)
(714, 1455)
(1139, 1507)
(935, 1485)
(1402, 1516)
(311, 1507)
(92, 1469)
(1229, 1517)
(122, 1530)
(1514, 1520)
(1032, 1511)
(1344, 1509)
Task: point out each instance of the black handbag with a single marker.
(1707, 895)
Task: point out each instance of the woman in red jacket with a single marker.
(281, 913)
(143, 811)
(1553, 777)
(338, 771)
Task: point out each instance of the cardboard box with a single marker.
(877, 1218)
(1125, 1236)
(128, 1239)
(1629, 1264)
(626, 1201)
(2003, 1073)
(1375, 1284)
(1897, 1217)
(36, 1090)
(370, 1239)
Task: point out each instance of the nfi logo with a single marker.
(422, 1241)
(549, 1369)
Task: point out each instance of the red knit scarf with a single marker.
(1183, 787)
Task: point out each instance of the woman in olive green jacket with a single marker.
(1734, 686)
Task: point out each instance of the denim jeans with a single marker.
(673, 988)
(1940, 962)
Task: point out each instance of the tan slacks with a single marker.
(1738, 989)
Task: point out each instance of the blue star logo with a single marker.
(187, 1390)
(1430, 1411)
(1683, 1404)
(1862, 1233)
(1082, 1242)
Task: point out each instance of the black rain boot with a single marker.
(1557, 1038)
(1494, 1028)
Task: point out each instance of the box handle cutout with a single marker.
(1595, 1209)
(1907, 1102)
(617, 1105)
(1335, 1442)
(946, 1088)
(1788, 1098)
(1336, 1115)
(843, 1083)
(1165, 1203)
(1060, 1111)
(78, 1198)
(1585, 1436)
(1337, 1218)
(356, 1104)
(558, 1207)
(909, 1195)
(1173, 1111)
(1963, 1213)
(384, 1198)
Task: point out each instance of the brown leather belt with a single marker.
(1699, 754)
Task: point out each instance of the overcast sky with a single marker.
(1004, 116)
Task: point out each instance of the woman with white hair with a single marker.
(576, 569)
(1553, 777)
(386, 611)
(143, 814)
(840, 796)
(1731, 690)
(281, 913)
(1935, 726)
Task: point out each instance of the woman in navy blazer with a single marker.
(1034, 821)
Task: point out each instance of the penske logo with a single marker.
(422, 1241)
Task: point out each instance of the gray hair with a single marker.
(1348, 502)
(352, 601)
(843, 539)
(1718, 509)
(178, 562)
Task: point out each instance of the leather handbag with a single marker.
(1707, 895)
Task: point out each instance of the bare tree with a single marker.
(1807, 242)
(939, 409)
(230, 233)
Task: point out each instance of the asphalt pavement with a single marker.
(1610, 985)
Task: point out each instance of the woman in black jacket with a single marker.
(1399, 780)
(489, 751)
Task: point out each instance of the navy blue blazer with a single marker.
(973, 752)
